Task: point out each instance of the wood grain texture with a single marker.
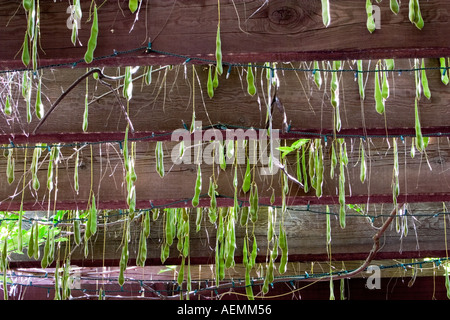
(251, 31)
(305, 229)
(168, 102)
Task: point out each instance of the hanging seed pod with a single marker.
(92, 43)
(148, 75)
(394, 5)
(419, 138)
(222, 160)
(270, 221)
(212, 213)
(444, 71)
(34, 167)
(146, 224)
(282, 268)
(424, 78)
(44, 260)
(36, 242)
(341, 189)
(30, 251)
(198, 220)
(247, 178)
(379, 101)
(57, 283)
(244, 216)
(319, 168)
(363, 166)
(326, 18)
(328, 225)
(133, 5)
(361, 79)
(251, 88)
(333, 160)
(159, 153)
(10, 167)
(334, 85)
(370, 19)
(38, 104)
(254, 202)
(447, 281)
(317, 75)
(86, 112)
(76, 229)
(26, 51)
(4, 255)
(198, 187)
(76, 186)
(385, 86)
(209, 84)
(8, 106)
(311, 166)
(93, 216)
(219, 66)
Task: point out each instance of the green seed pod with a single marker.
(419, 138)
(216, 79)
(219, 52)
(10, 167)
(8, 106)
(76, 229)
(370, 20)
(251, 88)
(424, 78)
(247, 178)
(305, 174)
(395, 7)
(317, 75)
(76, 186)
(244, 216)
(30, 251)
(254, 202)
(444, 71)
(198, 187)
(385, 87)
(379, 101)
(93, 216)
(254, 253)
(92, 43)
(209, 84)
(198, 220)
(44, 260)
(36, 242)
(328, 225)
(159, 153)
(39, 105)
(133, 5)
(326, 13)
(363, 166)
(147, 224)
(27, 4)
(25, 51)
(245, 253)
(148, 75)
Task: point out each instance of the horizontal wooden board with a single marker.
(250, 31)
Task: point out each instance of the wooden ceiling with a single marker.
(176, 36)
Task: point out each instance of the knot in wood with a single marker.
(284, 15)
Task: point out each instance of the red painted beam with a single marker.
(227, 202)
(292, 134)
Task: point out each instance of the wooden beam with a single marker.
(166, 105)
(250, 31)
(306, 232)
